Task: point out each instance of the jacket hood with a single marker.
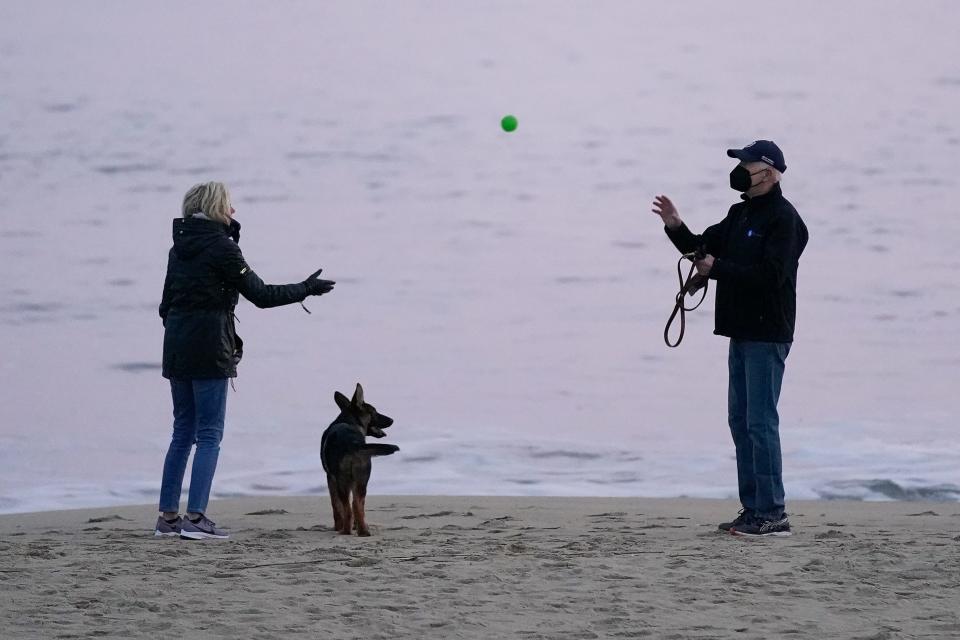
(192, 235)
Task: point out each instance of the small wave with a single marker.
(505, 466)
(136, 167)
(576, 455)
(20, 233)
(882, 489)
(136, 367)
(32, 307)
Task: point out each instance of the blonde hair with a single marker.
(209, 198)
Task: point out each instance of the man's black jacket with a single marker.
(757, 249)
(205, 272)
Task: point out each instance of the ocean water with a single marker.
(502, 296)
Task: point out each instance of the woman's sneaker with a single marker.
(201, 529)
(742, 518)
(166, 529)
(761, 527)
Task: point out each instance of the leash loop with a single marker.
(690, 286)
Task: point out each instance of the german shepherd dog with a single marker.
(346, 458)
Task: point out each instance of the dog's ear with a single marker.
(341, 400)
(358, 396)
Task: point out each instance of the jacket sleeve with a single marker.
(687, 241)
(165, 299)
(237, 273)
(780, 252)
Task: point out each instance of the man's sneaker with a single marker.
(761, 527)
(742, 518)
(166, 529)
(202, 528)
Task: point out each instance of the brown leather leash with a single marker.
(690, 286)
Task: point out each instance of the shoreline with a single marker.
(323, 499)
(480, 567)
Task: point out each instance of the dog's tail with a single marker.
(379, 449)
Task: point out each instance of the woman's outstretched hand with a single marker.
(316, 286)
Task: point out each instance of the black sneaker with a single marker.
(742, 518)
(761, 527)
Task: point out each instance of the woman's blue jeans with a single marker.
(756, 374)
(199, 409)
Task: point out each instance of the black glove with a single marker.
(317, 287)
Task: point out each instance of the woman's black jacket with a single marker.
(205, 272)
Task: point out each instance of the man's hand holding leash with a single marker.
(704, 265)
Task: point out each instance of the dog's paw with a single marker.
(363, 533)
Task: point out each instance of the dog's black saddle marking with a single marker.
(338, 440)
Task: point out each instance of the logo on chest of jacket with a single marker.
(754, 234)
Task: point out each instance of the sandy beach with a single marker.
(486, 567)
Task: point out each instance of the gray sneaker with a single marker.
(201, 529)
(166, 529)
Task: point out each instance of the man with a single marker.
(753, 255)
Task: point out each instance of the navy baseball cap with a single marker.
(761, 151)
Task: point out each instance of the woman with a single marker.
(201, 349)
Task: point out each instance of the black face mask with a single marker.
(741, 179)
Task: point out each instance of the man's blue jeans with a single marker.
(756, 374)
(199, 409)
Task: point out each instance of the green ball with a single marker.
(509, 123)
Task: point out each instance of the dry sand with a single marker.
(480, 567)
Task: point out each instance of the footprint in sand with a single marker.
(439, 514)
(280, 534)
(105, 519)
(833, 534)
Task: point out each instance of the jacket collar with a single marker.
(234, 230)
(774, 194)
(206, 226)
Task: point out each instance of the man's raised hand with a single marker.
(664, 207)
